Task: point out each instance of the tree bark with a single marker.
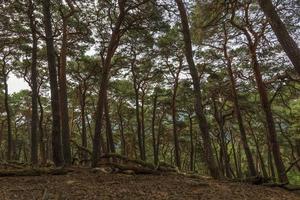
(121, 127)
(55, 109)
(174, 120)
(8, 113)
(237, 109)
(137, 113)
(63, 97)
(82, 89)
(192, 152)
(209, 156)
(143, 123)
(43, 140)
(272, 136)
(153, 127)
(109, 133)
(263, 167)
(34, 86)
(113, 44)
(287, 42)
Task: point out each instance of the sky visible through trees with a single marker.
(207, 88)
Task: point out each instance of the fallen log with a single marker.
(34, 172)
(121, 168)
(126, 160)
(81, 148)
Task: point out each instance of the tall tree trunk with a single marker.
(112, 46)
(224, 159)
(153, 127)
(272, 136)
(287, 42)
(34, 86)
(82, 89)
(238, 172)
(192, 152)
(7, 110)
(56, 133)
(237, 109)
(209, 156)
(174, 121)
(263, 166)
(121, 127)
(143, 124)
(137, 113)
(159, 134)
(42, 138)
(63, 97)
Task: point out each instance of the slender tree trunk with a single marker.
(34, 86)
(159, 134)
(237, 110)
(56, 133)
(143, 124)
(272, 136)
(83, 89)
(7, 110)
(121, 127)
(174, 121)
(209, 156)
(137, 113)
(192, 152)
(263, 166)
(113, 44)
(224, 159)
(287, 42)
(63, 97)
(238, 172)
(153, 127)
(271, 166)
(109, 133)
(42, 137)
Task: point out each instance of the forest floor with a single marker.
(84, 184)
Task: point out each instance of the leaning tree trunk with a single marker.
(266, 106)
(112, 46)
(34, 86)
(56, 134)
(209, 156)
(288, 44)
(237, 109)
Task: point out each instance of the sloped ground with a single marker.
(83, 184)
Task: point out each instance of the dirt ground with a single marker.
(84, 184)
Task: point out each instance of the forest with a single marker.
(121, 96)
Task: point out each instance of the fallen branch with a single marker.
(81, 148)
(291, 166)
